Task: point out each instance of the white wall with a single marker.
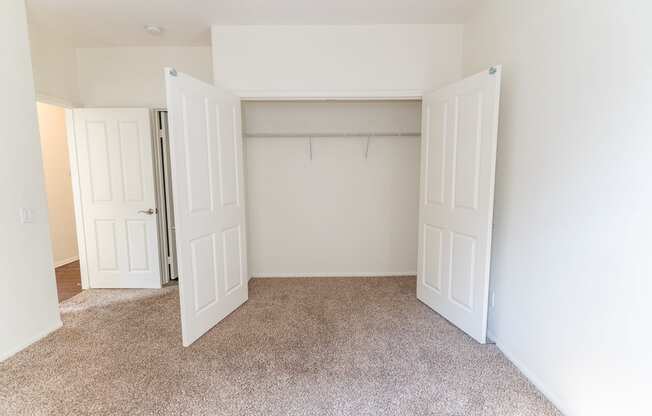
(58, 183)
(109, 77)
(28, 295)
(339, 213)
(133, 76)
(572, 269)
(335, 60)
(55, 68)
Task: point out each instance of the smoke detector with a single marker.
(154, 30)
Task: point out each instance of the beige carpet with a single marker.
(345, 346)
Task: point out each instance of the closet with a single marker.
(290, 188)
(305, 188)
(332, 187)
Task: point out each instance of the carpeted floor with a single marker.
(335, 346)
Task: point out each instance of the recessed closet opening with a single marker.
(332, 187)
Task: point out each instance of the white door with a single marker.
(208, 191)
(113, 150)
(458, 160)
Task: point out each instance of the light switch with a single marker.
(26, 216)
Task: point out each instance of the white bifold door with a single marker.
(207, 183)
(111, 160)
(458, 161)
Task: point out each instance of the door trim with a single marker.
(77, 200)
(159, 184)
(284, 95)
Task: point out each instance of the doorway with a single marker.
(121, 185)
(59, 191)
(458, 153)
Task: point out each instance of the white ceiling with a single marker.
(187, 22)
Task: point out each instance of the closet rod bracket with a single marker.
(310, 146)
(366, 150)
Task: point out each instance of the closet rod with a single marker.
(314, 135)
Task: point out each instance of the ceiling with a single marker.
(94, 23)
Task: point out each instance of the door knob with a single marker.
(147, 211)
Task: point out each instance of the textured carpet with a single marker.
(335, 346)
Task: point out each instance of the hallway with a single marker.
(68, 280)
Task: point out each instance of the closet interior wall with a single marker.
(332, 188)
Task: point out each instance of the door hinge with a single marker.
(169, 259)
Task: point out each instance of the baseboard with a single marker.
(65, 261)
(331, 274)
(530, 375)
(6, 354)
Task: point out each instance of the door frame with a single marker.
(337, 95)
(77, 199)
(68, 107)
(161, 220)
(370, 95)
(162, 198)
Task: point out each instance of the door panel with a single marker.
(436, 154)
(131, 168)
(232, 245)
(458, 149)
(99, 169)
(432, 248)
(205, 274)
(106, 246)
(228, 151)
(116, 176)
(137, 245)
(466, 145)
(461, 276)
(206, 160)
